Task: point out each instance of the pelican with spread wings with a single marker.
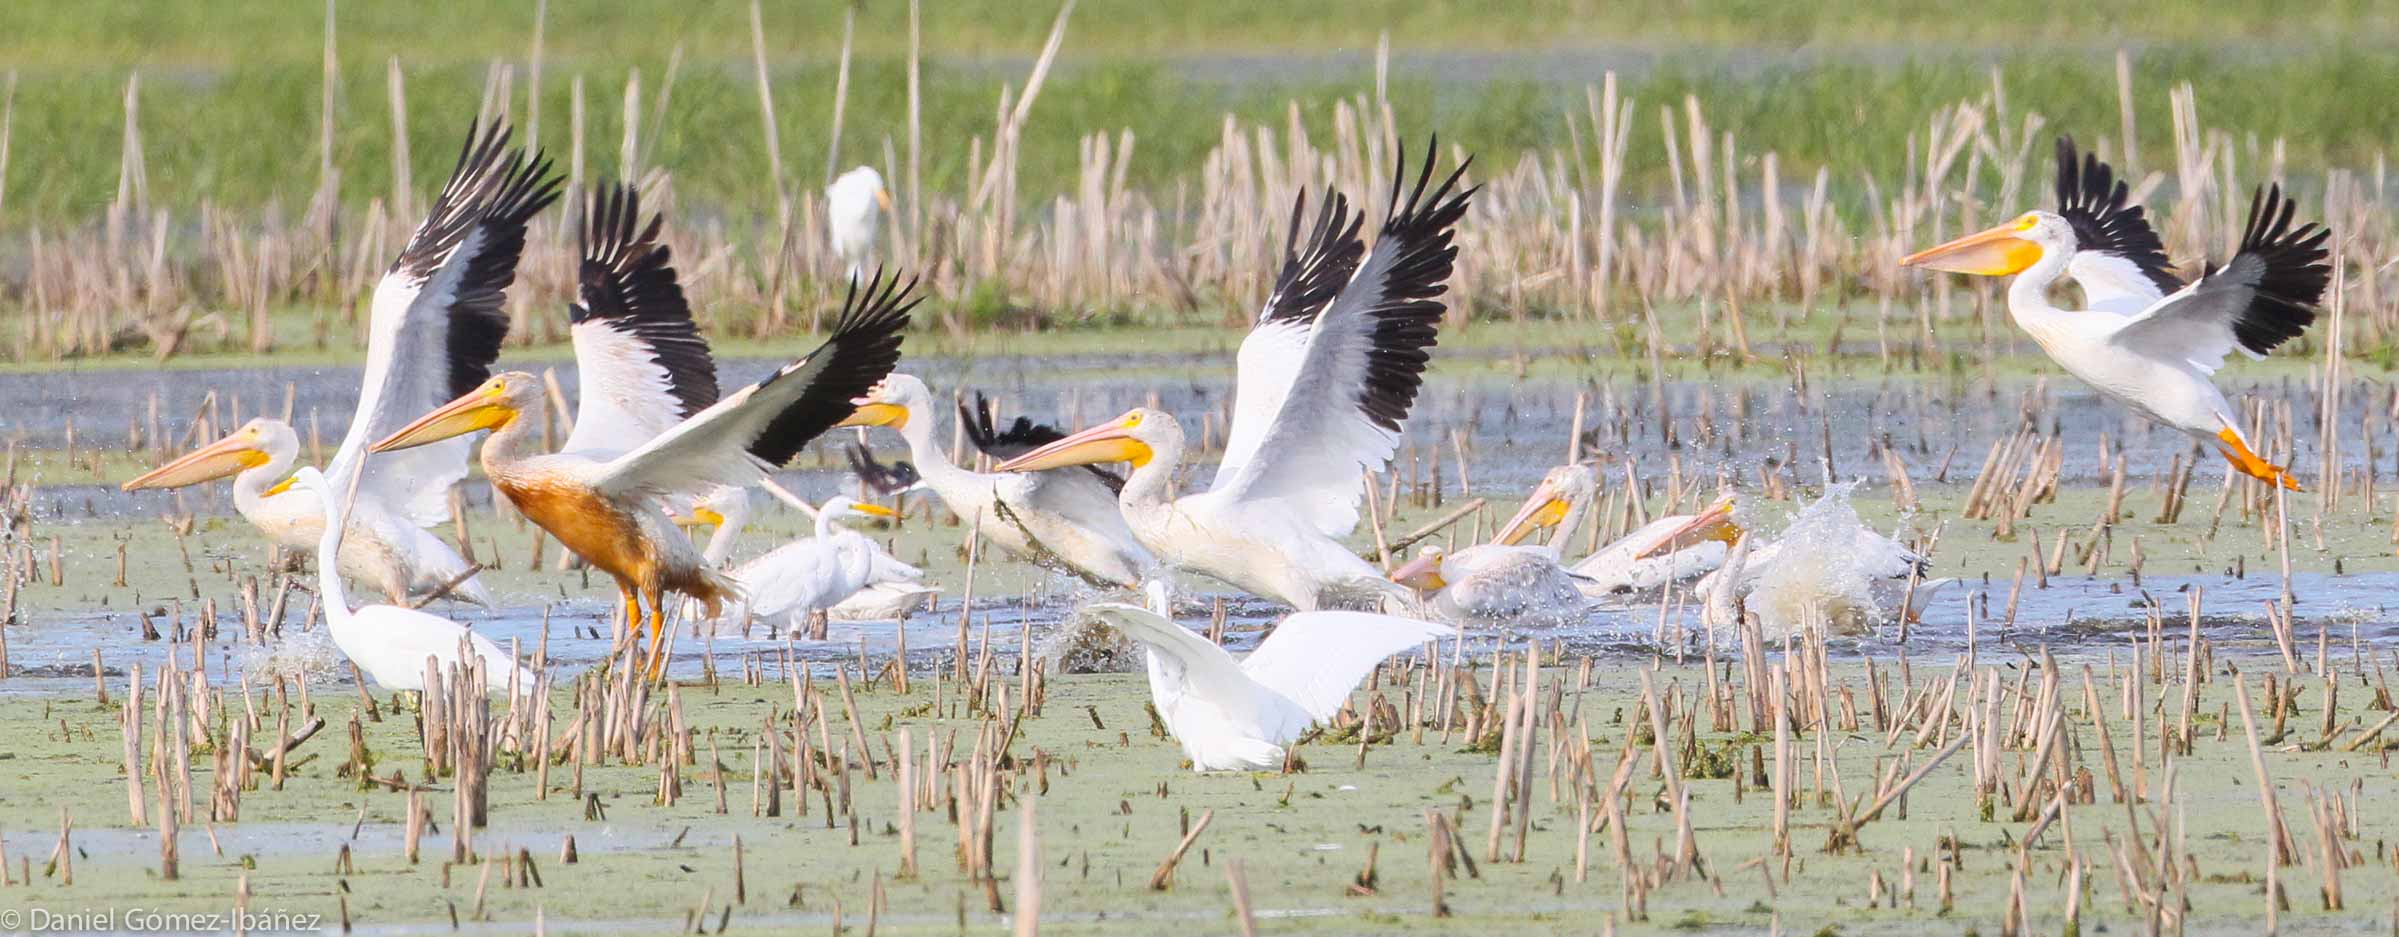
(434, 329)
(1324, 382)
(2148, 340)
(607, 504)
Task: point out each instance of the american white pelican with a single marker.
(390, 643)
(854, 207)
(607, 507)
(839, 571)
(1232, 715)
(1066, 519)
(1507, 581)
(1495, 584)
(1825, 564)
(434, 329)
(2158, 358)
(1325, 380)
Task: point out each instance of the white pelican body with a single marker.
(1496, 584)
(854, 207)
(2150, 342)
(387, 642)
(1230, 715)
(1065, 519)
(434, 330)
(635, 345)
(1325, 379)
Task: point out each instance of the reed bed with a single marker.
(1654, 220)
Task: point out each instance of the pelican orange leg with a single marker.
(2247, 462)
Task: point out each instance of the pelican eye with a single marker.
(1132, 420)
(2027, 222)
(499, 386)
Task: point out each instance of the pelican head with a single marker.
(891, 403)
(257, 443)
(1550, 501)
(1423, 573)
(1714, 522)
(491, 405)
(728, 506)
(1133, 438)
(1997, 252)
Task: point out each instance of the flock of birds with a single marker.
(1325, 381)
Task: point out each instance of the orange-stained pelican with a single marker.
(609, 507)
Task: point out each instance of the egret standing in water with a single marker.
(854, 207)
(390, 644)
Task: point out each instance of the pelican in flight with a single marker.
(390, 643)
(2149, 341)
(434, 330)
(605, 505)
(1065, 519)
(1232, 715)
(854, 207)
(1324, 382)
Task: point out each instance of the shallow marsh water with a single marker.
(1302, 838)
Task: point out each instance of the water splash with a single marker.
(300, 655)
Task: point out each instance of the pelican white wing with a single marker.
(1362, 361)
(736, 441)
(1272, 356)
(640, 362)
(2264, 296)
(436, 322)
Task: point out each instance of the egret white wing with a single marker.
(641, 365)
(1315, 659)
(2264, 296)
(1364, 361)
(436, 322)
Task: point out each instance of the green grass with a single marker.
(229, 92)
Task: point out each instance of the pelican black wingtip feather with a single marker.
(2096, 204)
(475, 336)
(2290, 274)
(1022, 436)
(859, 353)
(1416, 254)
(882, 478)
(627, 279)
(1312, 277)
